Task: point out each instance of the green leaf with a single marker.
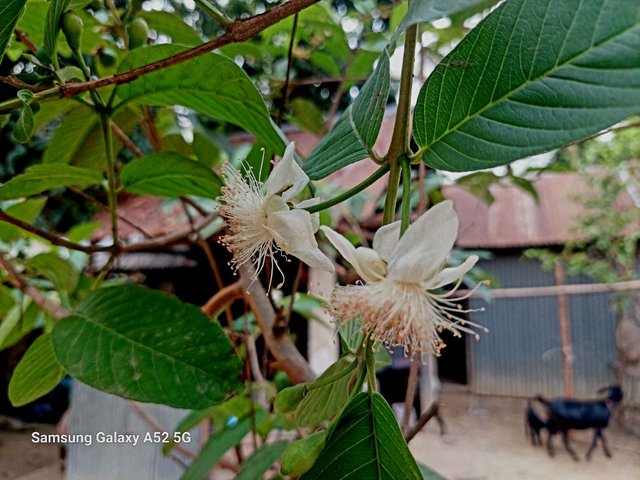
(170, 175)
(208, 149)
(306, 114)
(148, 346)
(429, 10)
(9, 323)
(172, 25)
(527, 186)
(28, 319)
(58, 271)
(215, 448)
(209, 84)
(23, 128)
(356, 131)
(324, 403)
(479, 183)
(533, 76)
(40, 178)
(366, 443)
(52, 25)
(82, 231)
(10, 13)
(78, 140)
(37, 373)
(26, 211)
(261, 461)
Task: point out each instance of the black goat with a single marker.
(533, 425)
(565, 415)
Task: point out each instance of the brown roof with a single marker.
(515, 220)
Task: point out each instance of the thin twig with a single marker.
(17, 83)
(157, 242)
(294, 290)
(204, 245)
(150, 129)
(287, 78)
(53, 309)
(223, 297)
(427, 415)
(26, 41)
(126, 141)
(409, 400)
(337, 96)
(106, 208)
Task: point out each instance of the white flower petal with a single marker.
(348, 252)
(450, 275)
(421, 252)
(386, 239)
(293, 233)
(373, 267)
(287, 178)
(315, 217)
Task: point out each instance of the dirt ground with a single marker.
(485, 441)
(19, 457)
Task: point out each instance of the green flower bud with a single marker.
(138, 32)
(300, 455)
(72, 26)
(288, 399)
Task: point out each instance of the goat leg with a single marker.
(565, 440)
(605, 447)
(550, 445)
(593, 445)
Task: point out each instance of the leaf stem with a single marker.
(400, 137)
(371, 366)
(105, 120)
(216, 15)
(405, 213)
(378, 174)
(392, 193)
(323, 382)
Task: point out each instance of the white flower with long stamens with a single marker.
(262, 220)
(398, 305)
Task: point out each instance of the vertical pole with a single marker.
(565, 330)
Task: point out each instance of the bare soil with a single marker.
(485, 440)
(19, 456)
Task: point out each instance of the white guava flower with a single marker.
(262, 220)
(397, 305)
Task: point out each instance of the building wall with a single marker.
(522, 355)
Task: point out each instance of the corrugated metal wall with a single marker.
(93, 411)
(521, 355)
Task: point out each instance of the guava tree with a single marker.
(529, 77)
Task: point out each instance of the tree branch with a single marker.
(281, 346)
(223, 297)
(56, 311)
(237, 32)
